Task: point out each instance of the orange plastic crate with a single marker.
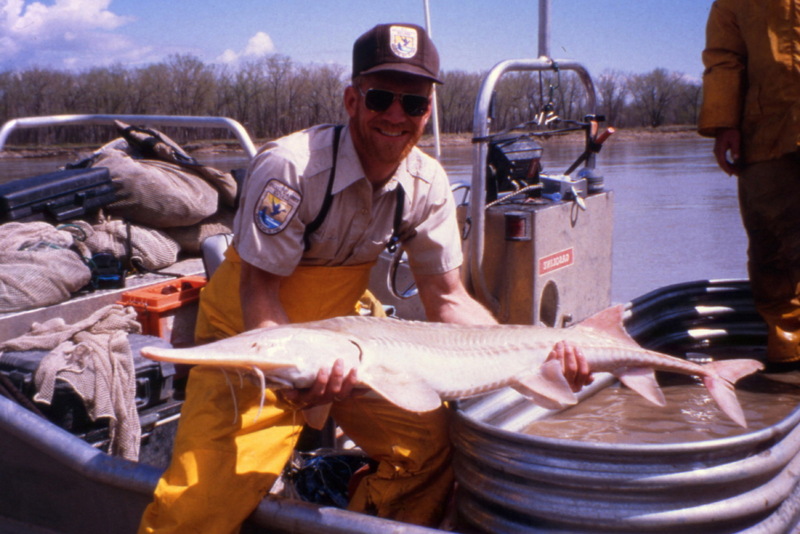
(168, 309)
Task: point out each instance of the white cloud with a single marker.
(36, 18)
(79, 34)
(64, 33)
(259, 45)
(228, 56)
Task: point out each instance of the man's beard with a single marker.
(385, 153)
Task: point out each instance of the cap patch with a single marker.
(403, 41)
(276, 207)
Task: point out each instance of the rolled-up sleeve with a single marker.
(276, 249)
(436, 246)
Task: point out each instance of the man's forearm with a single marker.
(446, 300)
(260, 295)
(463, 310)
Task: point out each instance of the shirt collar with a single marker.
(349, 170)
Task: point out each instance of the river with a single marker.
(676, 213)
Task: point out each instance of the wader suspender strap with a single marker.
(326, 203)
(394, 241)
(314, 225)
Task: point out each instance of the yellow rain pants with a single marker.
(229, 451)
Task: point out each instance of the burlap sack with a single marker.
(154, 144)
(190, 238)
(37, 266)
(94, 357)
(156, 193)
(150, 248)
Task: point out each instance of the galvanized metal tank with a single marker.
(514, 482)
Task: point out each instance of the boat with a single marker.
(552, 233)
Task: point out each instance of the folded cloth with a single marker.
(94, 357)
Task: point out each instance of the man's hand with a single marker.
(727, 149)
(576, 368)
(330, 385)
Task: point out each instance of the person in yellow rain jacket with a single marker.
(317, 208)
(751, 106)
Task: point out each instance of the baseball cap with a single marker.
(396, 47)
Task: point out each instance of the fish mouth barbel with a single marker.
(417, 365)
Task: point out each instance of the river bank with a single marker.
(620, 134)
(448, 139)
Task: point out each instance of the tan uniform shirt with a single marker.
(752, 76)
(284, 192)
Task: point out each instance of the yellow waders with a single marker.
(223, 463)
(783, 330)
(769, 199)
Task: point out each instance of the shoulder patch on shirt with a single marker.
(276, 207)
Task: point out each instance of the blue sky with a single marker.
(472, 35)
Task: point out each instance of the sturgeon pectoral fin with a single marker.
(409, 393)
(547, 387)
(643, 381)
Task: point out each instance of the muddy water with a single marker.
(619, 415)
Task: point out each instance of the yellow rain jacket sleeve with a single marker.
(752, 77)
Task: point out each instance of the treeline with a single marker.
(273, 96)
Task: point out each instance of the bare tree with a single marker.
(653, 94)
(277, 70)
(271, 96)
(688, 102)
(191, 86)
(573, 97)
(611, 95)
(149, 89)
(456, 99)
(324, 101)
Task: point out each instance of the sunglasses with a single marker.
(379, 100)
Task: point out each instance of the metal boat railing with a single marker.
(481, 129)
(54, 480)
(224, 123)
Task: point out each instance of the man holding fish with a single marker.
(317, 208)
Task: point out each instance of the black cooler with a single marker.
(154, 388)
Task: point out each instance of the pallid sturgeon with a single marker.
(417, 365)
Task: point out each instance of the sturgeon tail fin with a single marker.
(719, 381)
